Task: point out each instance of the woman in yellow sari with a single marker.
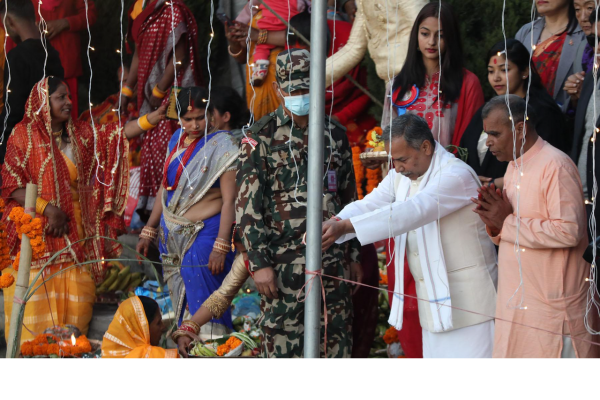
(82, 176)
(135, 331)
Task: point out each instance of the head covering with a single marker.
(293, 70)
(128, 335)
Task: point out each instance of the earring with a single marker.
(524, 77)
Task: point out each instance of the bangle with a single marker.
(338, 219)
(262, 36)
(223, 240)
(189, 324)
(159, 94)
(40, 205)
(127, 92)
(222, 248)
(236, 54)
(148, 233)
(144, 124)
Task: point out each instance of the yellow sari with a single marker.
(128, 335)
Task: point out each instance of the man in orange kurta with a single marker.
(543, 317)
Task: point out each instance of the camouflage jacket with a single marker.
(272, 191)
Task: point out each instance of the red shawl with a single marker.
(33, 156)
(470, 100)
(546, 57)
(153, 35)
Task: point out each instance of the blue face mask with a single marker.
(298, 105)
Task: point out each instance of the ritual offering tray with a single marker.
(234, 345)
(374, 155)
(61, 342)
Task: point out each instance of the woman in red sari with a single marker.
(155, 25)
(82, 179)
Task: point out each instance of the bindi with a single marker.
(495, 61)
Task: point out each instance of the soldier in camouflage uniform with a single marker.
(271, 213)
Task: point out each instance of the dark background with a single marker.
(480, 21)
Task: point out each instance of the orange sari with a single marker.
(128, 335)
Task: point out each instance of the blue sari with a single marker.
(185, 246)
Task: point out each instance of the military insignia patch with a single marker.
(250, 141)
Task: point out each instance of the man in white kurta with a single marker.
(424, 203)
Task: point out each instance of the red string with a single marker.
(314, 275)
(446, 305)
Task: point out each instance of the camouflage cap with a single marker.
(293, 70)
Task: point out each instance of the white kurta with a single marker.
(448, 251)
(475, 341)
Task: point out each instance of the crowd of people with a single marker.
(485, 254)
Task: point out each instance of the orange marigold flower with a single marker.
(65, 350)
(40, 350)
(383, 279)
(27, 348)
(6, 280)
(53, 349)
(391, 335)
(15, 263)
(84, 344)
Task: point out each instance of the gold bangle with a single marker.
(144, 124)
(127, 92)
(236, 54)
(40, 205)
(159, 94)
(262, 36)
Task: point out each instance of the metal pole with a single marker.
(316, 141)
(22, 284)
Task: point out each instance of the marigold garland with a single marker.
(391, 335)
(359, 171)
(374, 176)
(32, 227)
(48, 344)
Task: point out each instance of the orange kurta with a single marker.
(552, 234)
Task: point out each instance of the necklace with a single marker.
(556, 32)
(57, 134)
(190, 139)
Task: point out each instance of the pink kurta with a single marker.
(553, 235)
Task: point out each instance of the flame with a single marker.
(73, 341)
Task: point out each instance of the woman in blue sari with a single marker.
(194, 219)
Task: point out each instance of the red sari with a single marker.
(153, 35)
(546, 57)
(34, 157)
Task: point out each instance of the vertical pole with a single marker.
(16, 320)
(316, 140)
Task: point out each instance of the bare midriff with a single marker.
(209, 206)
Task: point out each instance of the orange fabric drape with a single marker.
(128, 335)
(261, 100)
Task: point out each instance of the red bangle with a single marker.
(187, 328)
(338, 219)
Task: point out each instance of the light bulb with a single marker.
(118, 51)
(92, 49)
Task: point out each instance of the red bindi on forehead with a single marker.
(495, 61)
